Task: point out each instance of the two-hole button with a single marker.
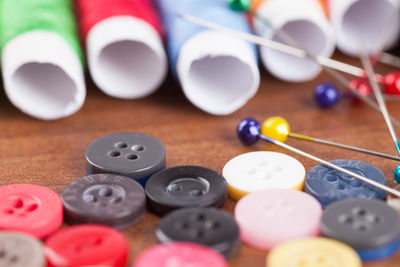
(185, 186)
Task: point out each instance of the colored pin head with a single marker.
(397, 174)
(391, 82)
(240, 5)
(248, 131)
(276, 128)
(326, 95)
(362, 86)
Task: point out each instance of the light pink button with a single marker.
(270, 217)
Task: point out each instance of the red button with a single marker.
(29, 208)
(180, 254)
(86, 245)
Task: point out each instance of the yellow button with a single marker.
(313, 252)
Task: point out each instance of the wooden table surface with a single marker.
(52, 153)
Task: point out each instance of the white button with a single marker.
(263, 170)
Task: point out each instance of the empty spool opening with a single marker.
(310, 37)
(216, 82)
(364, 22)
(129, 69)
(42, 89)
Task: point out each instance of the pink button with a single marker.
(29, 208)
(180, 254)
(268, 218)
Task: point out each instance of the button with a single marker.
(180, 254)
(86, 245)
(29, 208)
(373, 226)
(313, 252)
(185, 186)
(20, 250)
(135, 155)
(329, 185)
(261, 170)
(270, 217)
(361, 223)
(207, 226)
(108, 199)
(393, 200)
(379, 253)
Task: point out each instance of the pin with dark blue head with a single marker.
(249, 131)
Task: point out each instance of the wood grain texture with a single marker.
(52, 153)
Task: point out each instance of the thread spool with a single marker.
(41, 58)
(123, 39)
(303, 20)
(356, 22)
(218, 73)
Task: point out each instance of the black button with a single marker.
(208, 226)
(185, 186)
(135, 155)
(107, 199)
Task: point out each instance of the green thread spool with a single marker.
(42, 61)
(21, 16)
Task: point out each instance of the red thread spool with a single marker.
(91, 12)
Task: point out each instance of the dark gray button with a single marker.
(108, 199)
(361, 223)
(134, 155)
(20, 250)
(185, 186)
(208, 226)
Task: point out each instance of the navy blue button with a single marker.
(134, 155)
(328, 185)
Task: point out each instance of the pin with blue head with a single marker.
(326, 95)
(248, 131)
